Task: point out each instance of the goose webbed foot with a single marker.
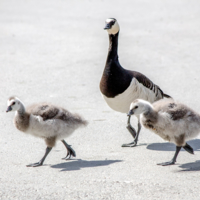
(132, 144)
(35, 164)
(167, 163)
(70, 151)
(133, 133)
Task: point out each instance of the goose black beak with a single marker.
(107, 26)
(130, 113)
(9, 109)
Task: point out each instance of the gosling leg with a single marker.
(188, 148)
(70, 151)
(48, 149)
(133, 133)
(172, 162)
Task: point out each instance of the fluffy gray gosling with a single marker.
(172, 121)
(46, 121)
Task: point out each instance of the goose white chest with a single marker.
(121, 102)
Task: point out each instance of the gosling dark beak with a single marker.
(9, 109)
(107, 26)
(130, 113)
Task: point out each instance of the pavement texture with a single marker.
(56, 51)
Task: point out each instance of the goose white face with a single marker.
(111, 26)
(13, 104)
(138, 107)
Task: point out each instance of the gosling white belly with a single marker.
(49, 128)
(170, 130)
(136, 90)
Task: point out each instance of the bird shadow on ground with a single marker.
(194, 166)
(195, 144)
(78, 164)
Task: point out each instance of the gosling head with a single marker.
(111, 26)
(14, 104)
(138, 107)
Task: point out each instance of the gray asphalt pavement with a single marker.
(55, 51)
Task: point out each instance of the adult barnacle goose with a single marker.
(119, 86)
(46, 121)
(171, 120)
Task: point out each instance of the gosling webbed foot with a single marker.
(132, 144)
(167, 163)
(70, 151)
(188, 148)
(48, 149)
(35, 164)
(172, 162)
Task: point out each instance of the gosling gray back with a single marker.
(49, 111)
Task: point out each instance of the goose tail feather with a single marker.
(167, 96)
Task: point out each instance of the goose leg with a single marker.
(130, 128)
(173, 159)
(133, 133)
(48, 149)
(70, 151)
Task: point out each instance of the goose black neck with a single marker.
(113, 46)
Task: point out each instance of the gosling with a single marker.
(46, 121)
(172, 121)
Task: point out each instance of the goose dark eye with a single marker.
(136, 107)
(13, 103)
